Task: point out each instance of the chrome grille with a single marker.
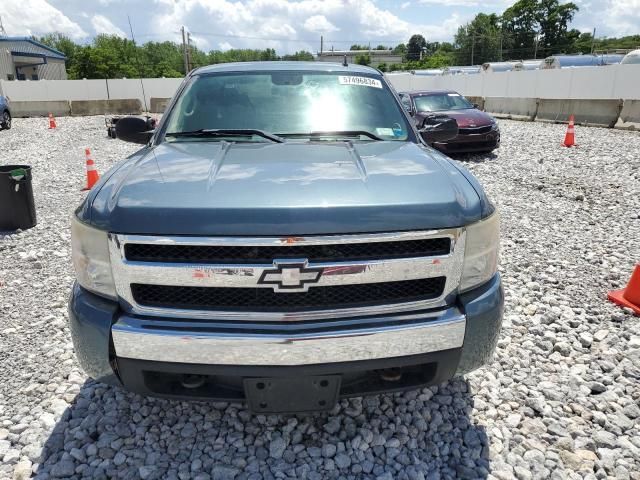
(240, 254)
(288, 278)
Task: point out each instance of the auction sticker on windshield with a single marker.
(361, 81)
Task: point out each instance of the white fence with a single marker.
(605, 82)
(51, 90)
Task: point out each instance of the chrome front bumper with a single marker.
(402, 335)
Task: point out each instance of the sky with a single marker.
(286, 25)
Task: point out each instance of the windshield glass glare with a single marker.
(288, 103)
(441, 101)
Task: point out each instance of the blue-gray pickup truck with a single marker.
(284, 238)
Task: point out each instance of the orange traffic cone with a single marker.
(629, 297)
(52, 121)
(570, 137)
(92, 172)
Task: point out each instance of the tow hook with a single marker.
(193, 381)
(391, 374)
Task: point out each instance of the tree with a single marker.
(62, 43)
(440, 59)
(382, 67)
(553, 19)
(161, 59)
(363, 59)
(302, 55)
(414, 47)
(359, 47)
(400, 49)
(537, 28)
(479, 40)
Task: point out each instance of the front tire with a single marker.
(6, 120)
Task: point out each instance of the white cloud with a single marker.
(452, 3)
(37, 17)
(224, 46)
(284, 25)
(482, 6)
(613, 18)
(319, 24)
(102, 24)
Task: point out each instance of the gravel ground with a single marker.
(561, 399)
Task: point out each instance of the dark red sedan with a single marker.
(477, 130)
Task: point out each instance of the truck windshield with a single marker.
(319, 105)
(440, 102)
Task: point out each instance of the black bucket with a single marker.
(17, 208)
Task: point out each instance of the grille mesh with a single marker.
(474, 130)
(266, 254)
(265, 299)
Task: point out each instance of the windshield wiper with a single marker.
(227, 132)
(337, 133)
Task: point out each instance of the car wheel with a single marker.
(6, 120)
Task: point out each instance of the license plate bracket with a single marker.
(292, 394)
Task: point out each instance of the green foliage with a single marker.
(629, 42)
(538, 28)
(382, 67)
(525, 29)
(302, 55)
(440, 59)
(363, 59)
(400, 49)
(110, 56)
(479, 40)
(61, 43)
(415, 45)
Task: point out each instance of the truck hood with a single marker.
(293, 188)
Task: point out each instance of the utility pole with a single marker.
(473, 46)
(501, 35)
(189, 59)
(535, 50)
(321, 43)
(184, 52)
(593, 40)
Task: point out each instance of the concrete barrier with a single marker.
(477, 100)
(511, 108)
(101, 107)
(158, 105)
(629, 115)
(59, 108)
(602, 113)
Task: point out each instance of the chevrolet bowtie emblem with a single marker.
(290, 276)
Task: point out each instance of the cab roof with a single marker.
(279, 66)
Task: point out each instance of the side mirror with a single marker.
(135, 129)
(438, 128)
(406, 104)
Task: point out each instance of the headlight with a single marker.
(481, 252)
(494, 126)
(90, 253)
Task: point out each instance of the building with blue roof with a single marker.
(22, 58)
